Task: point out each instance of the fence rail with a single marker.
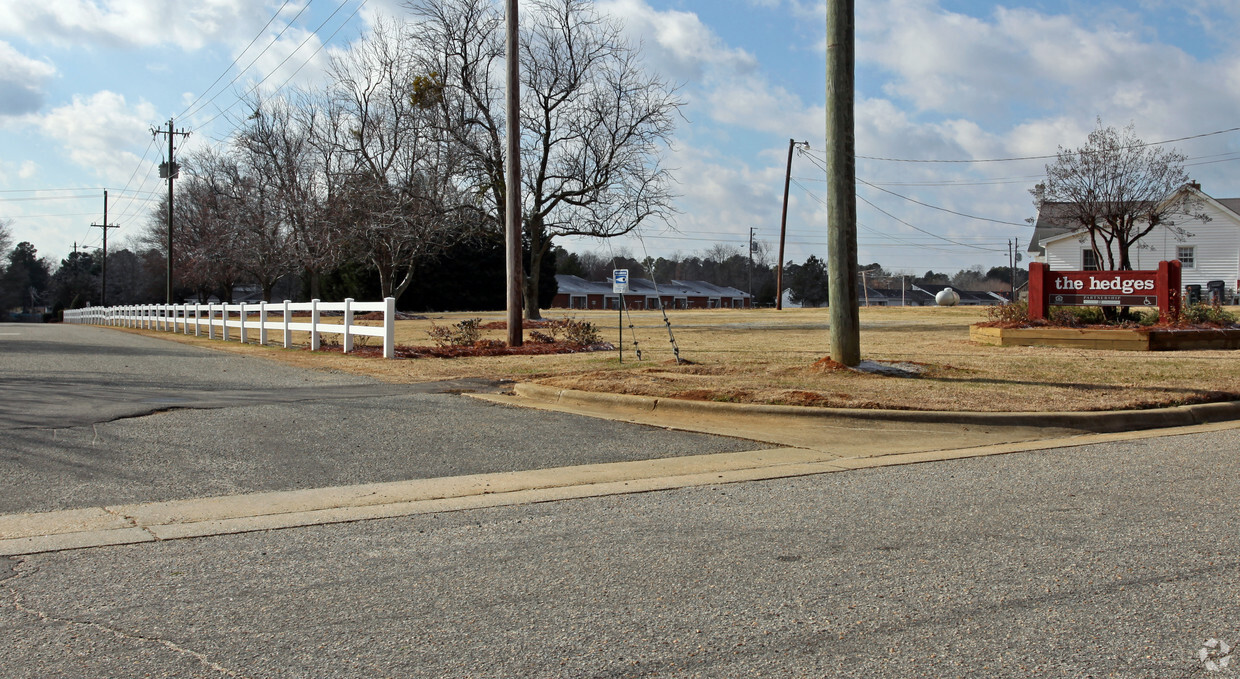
(249, 318)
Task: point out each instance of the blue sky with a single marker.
(83, 81)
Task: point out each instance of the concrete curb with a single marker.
(1100, 422)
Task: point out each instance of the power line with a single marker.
(935, 207)
(252, 62)
(882, 233)
(967, 245)
(242, 53)
(273, 71)
(1045, 157)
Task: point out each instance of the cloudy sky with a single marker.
(982, 88)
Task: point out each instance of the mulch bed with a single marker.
(483, 348)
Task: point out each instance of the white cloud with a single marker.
(21, 81)
(134, 22)
(97, 131)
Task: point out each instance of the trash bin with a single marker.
(1214, 291)
(1192, 294)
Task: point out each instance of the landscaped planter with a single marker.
(1121, 339)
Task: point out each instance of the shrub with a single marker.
(1016, 313)
(1076, 316)
(568, 330)
(467, 333)
(1206, 314)
(580, 333)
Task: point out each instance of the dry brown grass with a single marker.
(768, 356)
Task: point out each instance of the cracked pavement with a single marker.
(1110, 559)
(1114, 559)
(93, 417)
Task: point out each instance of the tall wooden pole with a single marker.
(512, 177)
(171, 176)
(783, 229)
(842, 184)
(103, 287)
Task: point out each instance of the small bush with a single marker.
(467, 333)
(1076, 316)
(569, 331)
(539, 337)
(580, 333)
(1016, 313)
(1206, 314)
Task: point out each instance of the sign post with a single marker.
(620, 285)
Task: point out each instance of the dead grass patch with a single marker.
(768, 356)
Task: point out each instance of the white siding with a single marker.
(1216, 243)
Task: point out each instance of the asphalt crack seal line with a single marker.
(203, 517)
(48, 618)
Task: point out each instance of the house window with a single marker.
(1187, 255)
(653, 303)
(1089, 261)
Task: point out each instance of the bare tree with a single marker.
(279, 143)
(397, 169)
(6, 236)
(1119, 189)
(593, 120)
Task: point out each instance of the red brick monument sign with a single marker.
(1159, 288)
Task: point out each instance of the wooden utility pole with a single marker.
(103, 287)
(512, 177)
(783, 229)
(842, 184)
(169, 171)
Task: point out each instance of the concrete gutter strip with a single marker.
(1097, 422)
(146, 522)
(805, 441)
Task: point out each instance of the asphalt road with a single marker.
(1115, 560)
(91, 416)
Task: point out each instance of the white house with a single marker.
(1209, 251)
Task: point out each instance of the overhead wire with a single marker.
(258, 56)
(1045, 157)
(936, 207)
(273, 71)
(242, 53)
(911, 226)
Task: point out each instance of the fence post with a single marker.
(242, 313)
(262, 322)
(288, 333)
(389, 327)
(314, 325)
(224, 321)
(210, 321)
(197, 319)
(346, 343)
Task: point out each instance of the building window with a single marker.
(1089, 261)
(1187, 255)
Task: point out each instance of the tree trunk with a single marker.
(314, 282)
(531, 285)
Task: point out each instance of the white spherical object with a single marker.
(947, 297)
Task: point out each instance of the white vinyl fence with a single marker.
(216, 320)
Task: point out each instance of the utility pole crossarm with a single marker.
(103, 285)
(170, 172)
